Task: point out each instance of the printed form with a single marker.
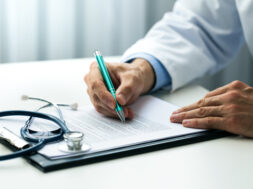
(151, 122)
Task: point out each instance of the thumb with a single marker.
(124, 92)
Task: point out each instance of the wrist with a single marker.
(147, 73)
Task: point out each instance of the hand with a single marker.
(228, 108)
(130, 81)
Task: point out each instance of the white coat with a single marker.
(198, 37)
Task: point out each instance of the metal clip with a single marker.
(13, 139)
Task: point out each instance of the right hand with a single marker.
(130, 81)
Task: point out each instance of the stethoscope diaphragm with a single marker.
(74, 142)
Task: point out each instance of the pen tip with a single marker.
(123, 120)
(121, 116)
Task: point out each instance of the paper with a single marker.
(151, 123)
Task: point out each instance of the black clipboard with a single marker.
(47, 165)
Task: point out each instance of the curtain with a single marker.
(59, 29)
(62, 29)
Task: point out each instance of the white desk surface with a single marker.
(221, 163)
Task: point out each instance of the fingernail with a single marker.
(175, 112)
(186, 122)
(173, 118)
(121, 99)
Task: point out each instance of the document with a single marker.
(151, 122)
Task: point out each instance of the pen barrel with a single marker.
(118, 106)
(107, 79)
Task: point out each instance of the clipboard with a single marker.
(157, 142)
(47, 165)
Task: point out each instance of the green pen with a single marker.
(109, 83)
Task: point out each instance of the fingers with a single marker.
(211, 111)
(218, 91)
(113, 72)
(205, 123)
(229, 97)
(124, 92)
(100, 95)
(129, 114)
(129, 89)
(97, 89)
(107, 111)
(227, 108)
(99, 105)
(235, 85)
(101, 98)
(211, 101)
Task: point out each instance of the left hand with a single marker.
(228, 108)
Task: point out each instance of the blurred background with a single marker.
(32, 30)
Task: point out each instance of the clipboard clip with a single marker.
(13, 139)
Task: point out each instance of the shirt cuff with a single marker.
(163, 78)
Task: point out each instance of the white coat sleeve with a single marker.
(196, 38)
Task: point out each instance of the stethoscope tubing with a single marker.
(56, 106)
(39, 143)
(35, 114)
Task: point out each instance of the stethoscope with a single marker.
(73, 139)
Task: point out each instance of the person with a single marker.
(198, 37)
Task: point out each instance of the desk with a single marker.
(221, 163)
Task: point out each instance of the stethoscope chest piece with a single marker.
(74, 142)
